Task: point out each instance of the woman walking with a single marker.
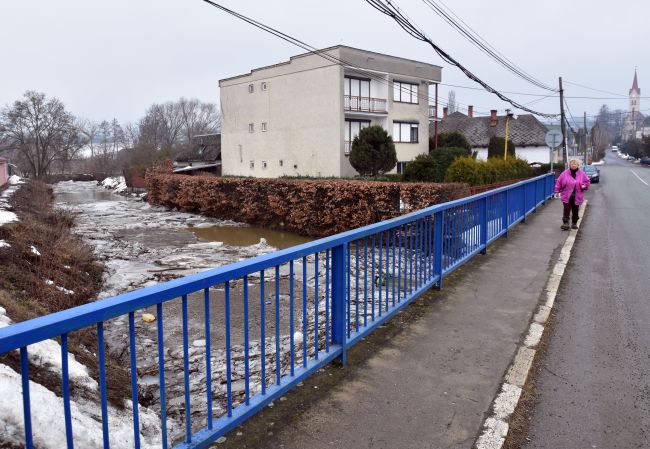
(571, 186)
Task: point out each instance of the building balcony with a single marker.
(433, 114)
(347, 147)
(364, 104)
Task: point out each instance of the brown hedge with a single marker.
(314, 208)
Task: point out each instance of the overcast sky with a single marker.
(114, 58)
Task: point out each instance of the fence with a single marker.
(271, 321)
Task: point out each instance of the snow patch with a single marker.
(7, 217)
(14, 180)
(35, 252)
(4, 244)
(48, 425)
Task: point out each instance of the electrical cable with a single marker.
(394, 13)
(483, 45)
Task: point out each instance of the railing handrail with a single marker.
(53, 325)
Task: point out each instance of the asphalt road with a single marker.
(593, 388)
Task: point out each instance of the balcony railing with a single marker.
(432, 111)
(364, 104)
(348, 147)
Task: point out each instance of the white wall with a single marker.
(530, 154)
(302, 111)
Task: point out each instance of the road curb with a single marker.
(495, 427)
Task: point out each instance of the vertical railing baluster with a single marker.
(304, 312)
(102, 382)
(339, 269)
(65, 384)
(356, 285)
(27, 413)
(262, 333)
(186, 372)
(208, 350)
(228, 349)
(327, 300)
(411, 257)
(316, 298)
(400, 271)
(437, 246)
(393, 280)
(292, 349)
(365, 281)
(161, 375)
(372, 276)
(278, 368)
(134, 381)
(247, 370)
(348, 291)
(387, 270)
(378, 279)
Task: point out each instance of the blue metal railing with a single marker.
(275, 319)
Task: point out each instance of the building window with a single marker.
(352, 129)
(401, 166)
(405, 132)
(356, 87)
(252, 164)
(264, 126)
(405, 92)
(251, 127)
(281, 163)
(263, 164)
(251, 88)
(265, 85)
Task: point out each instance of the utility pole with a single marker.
(585, 137)
(563, 125)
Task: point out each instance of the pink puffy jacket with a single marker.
(565, 185)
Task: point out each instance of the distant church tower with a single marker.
(635, 96)
(634, 119)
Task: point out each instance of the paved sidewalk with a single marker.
(427, 379)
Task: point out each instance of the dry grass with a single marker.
(65, 260)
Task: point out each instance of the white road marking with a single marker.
(638, 177)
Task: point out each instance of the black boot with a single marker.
(574, 226)
(565, 225)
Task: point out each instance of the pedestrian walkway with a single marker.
(427, 380)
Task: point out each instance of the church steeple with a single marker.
(635, 85)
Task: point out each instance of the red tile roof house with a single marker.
(525, 131)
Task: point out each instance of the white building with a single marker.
(298, 118)
(524, 131)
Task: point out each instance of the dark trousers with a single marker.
(570, 208)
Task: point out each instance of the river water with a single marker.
(141, 245)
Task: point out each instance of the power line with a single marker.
(394, 13)
(596, 90)
(471, 35)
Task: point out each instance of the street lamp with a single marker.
(505, 149)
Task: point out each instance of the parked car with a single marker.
(645, 160)
(592, 173)
(614, 148)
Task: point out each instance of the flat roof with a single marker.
(315, 52)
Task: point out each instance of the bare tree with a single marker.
(452, 106)
(89, 130)
(40, 129)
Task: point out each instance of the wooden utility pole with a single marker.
(585, 137)
(563, 125)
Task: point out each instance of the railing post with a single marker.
(505, 217)
(437, 247)
(535, 196)
(484, 224)
(523, 202)
(339, 270)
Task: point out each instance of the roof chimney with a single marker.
(470, 111)
(444, 112)
(493, 117)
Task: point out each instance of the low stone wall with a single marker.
(314, 208)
